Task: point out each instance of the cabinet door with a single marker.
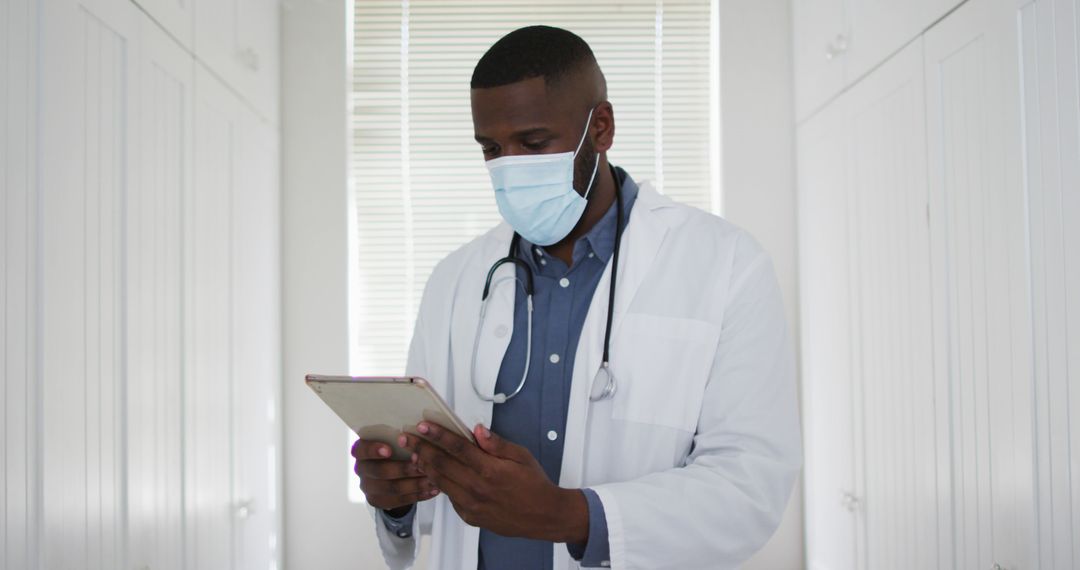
(820, 37)
(980, 270)
(154, 300)
(88, 71)
(824, 270)
(256, 344)
(238, 39)
(210, 379)
(1050, 31)
(902, 471)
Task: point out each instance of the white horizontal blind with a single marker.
(420, 187)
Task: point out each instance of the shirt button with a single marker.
(543, 261)
(591, 254)
(554, 358)
(552, 435)
(403, 534)
(501, 330)
(564, 282)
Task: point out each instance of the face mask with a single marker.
(535, 192)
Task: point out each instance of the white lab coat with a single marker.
(695, 457)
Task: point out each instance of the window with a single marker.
(420, 188)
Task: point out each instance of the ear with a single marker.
(603, 125)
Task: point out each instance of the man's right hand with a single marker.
(392, 485)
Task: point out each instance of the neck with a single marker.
(600, 199)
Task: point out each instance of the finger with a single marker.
(366, 449)
(495, 445)
(450, 442)
(389, 502)
(392, 487)
(439, 465)
(386, 469)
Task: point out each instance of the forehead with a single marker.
(527, 103)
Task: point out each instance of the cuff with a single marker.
(595, 552)
(401, 527)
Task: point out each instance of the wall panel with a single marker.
(1051, 76)
(18, 285)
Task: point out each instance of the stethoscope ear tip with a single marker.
(499, 398)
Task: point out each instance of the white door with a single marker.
(238, 40)
(827, 358)
(1050, 31)
(902, 450)
(980, 271)
(87, 119)
(154, 217)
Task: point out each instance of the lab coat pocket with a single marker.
(662, 365)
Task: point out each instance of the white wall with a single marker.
(758, 153)
(140, 291)
(322, 528)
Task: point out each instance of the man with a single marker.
(681, 453)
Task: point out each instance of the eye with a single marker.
(536, 145)
(490, 150)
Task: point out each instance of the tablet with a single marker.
(381, 408)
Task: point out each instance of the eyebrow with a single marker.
(517, 135)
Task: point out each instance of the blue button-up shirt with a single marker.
(536, 418)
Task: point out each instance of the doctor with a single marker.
(628, 353)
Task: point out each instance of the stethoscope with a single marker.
(603, 386)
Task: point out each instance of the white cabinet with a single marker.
(233, 335)
(238, 40)
(874, 489)
(1050, 31)
(158, 314)
(982, 322)
(827, 358)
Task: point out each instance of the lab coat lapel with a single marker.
(640, 243)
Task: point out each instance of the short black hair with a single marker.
(533, 51)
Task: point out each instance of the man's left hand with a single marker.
(498, 485)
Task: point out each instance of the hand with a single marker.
(388, 483)
(499, 486)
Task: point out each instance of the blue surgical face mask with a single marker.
(535, 192)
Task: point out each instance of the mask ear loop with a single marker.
(596, 165)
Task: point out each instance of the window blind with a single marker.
(419, 186)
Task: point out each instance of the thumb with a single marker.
(493, 444)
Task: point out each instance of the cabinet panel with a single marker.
(980, 273)
(1051, 71)
(88, 67)
(824, 243)
(904, 478)
(154, 301)
(238, 40)
(18, 285)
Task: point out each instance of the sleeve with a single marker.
(400, 526)
(727, 500)
(594, 553)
